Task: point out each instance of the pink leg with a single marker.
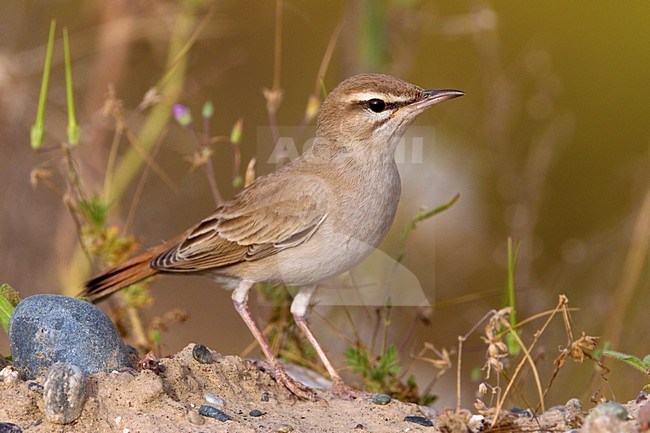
(298, 309)
(240, 300)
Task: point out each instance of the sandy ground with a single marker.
(131, 402)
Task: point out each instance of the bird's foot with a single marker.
(344, 391)
(293, 386)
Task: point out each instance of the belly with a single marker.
(358, 220)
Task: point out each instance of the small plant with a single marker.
(99, 240)
(382, 373)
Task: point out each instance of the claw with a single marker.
(342, 390)
(296, 388)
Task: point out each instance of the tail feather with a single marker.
(116, 278)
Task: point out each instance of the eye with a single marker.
(376, 105)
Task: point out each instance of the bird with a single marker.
(310, 220)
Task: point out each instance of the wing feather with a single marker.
(260, 221)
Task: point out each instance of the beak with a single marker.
(431, 97)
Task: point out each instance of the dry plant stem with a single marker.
(130, 217)
(523, 322)
(277, 69)
(136, 326)
(156, 121)
(461, 340)
(637, 258)
(529, 358)
(339, 334)
(253, 344)
(324, 64)
(74, 188)
(209, 168)
(236, 161)
(110, 165)
(561, 303)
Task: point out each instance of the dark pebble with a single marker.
(381, 399)
(202, 354)
(256, 413)
(213, 412)
(36, 387)
(7, 427)
(522, 412)
(265, 396)
(426, 422)
(45, 329)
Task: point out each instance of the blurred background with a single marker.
(550, 146)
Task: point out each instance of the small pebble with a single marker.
(522, 412)
(609, 408)
(7, 427)
(9, 375)
(213, 412)
(214, 400)
(426, 422)
(381, 399)
(194, 417)
(476, 422)
(64, 393)
(255, 413)
(283, 428)
(643, 417)
(265, 396)
(35, 386)
(202, 354)
(573, 414)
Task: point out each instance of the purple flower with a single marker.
(182, 114)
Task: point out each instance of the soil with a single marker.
(133, 402)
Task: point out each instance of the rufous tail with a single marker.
(116, 278)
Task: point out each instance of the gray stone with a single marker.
(610, 408)
(381, 399)
(7, 427)
(64, 393)
(45, 329)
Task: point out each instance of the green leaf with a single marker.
(357, 358)
(8, 300)
(628, 359)
(95, 210)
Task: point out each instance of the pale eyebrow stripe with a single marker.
(366, 96)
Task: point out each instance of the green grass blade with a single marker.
(73, 127)
(38, 129)
(422, 216)
(511, 301)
